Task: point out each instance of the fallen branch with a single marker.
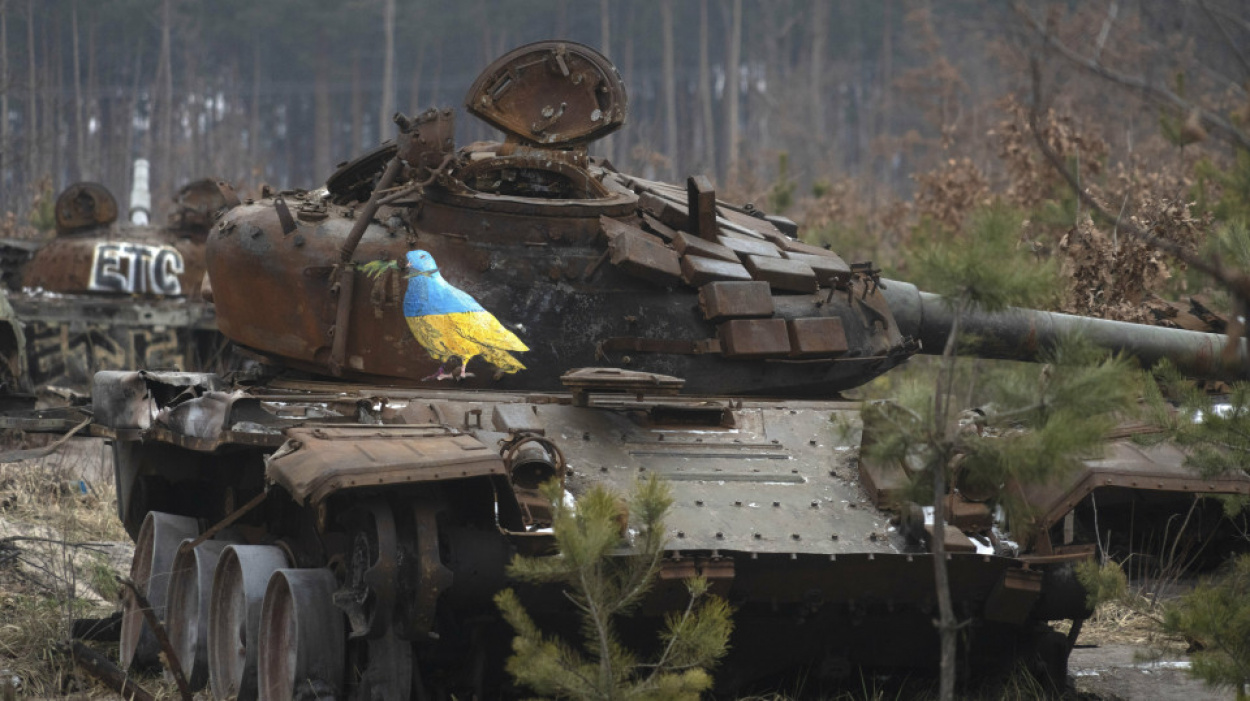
(171, 656)
(102, 668)
(54, 541)
(34, 453)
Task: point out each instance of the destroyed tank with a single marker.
(439, 330)
(106, 295)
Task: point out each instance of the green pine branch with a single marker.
(609, 554)
(1216, 615)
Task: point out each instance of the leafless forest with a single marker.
(863, 116)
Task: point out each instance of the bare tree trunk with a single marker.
(321, 112)
(189, 152)
(94, 141)
(78, 105)
(608, 144)
(165, 87)
(414, 88)
(816, 71)
(733, 57)
(886, 108)
(623, 148)
(705, 92)
(255, 170)
(237, 165)
(126, 123)
(357, 106)
(388, 69)
(947, 626)
(4, 105)
(32, 110)
(670, 88)
(51, 113)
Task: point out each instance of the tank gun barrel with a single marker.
(1024, 334)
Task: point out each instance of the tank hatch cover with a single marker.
(552, 93)
(85, 205)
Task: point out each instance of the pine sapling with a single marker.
(609, 554)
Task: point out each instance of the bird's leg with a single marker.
(462, 372)
(440, 375)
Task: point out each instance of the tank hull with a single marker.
(769, 504)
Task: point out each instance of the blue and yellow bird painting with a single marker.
(448, 322)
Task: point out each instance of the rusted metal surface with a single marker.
(743, 300)
(103, 295)
(551, 93)
(198, 204)
(128, 262)
(701, 204)
(319, 461)
(1156, 468)
(84, 205)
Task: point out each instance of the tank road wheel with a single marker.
(190, 584)
(433, 578)
(155, 549)
(301, 637)
(368, 599)
(239, 584)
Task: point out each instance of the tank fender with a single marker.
(316, 462)
(129, 399)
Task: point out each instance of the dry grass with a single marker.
(1134, 622)
(60, 544)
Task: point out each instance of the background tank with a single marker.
(443, 328)
(103, 294)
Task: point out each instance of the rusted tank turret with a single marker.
(103, 294)
(440, 329)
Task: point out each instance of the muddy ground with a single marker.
(1115, 672)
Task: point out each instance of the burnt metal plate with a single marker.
(792, 245)
(557, 93)
(726, 300)
(659, 228)
(584, 381)
(746, 478)
(640, 254)
(754, 338)
(698, 271)
(744, 247)
(1128, 465)
(782, 274)
(831, 271)
(666, 211)
(817, 336)
(691, 245)
(315, 462)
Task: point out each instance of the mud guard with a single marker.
(315, 463)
